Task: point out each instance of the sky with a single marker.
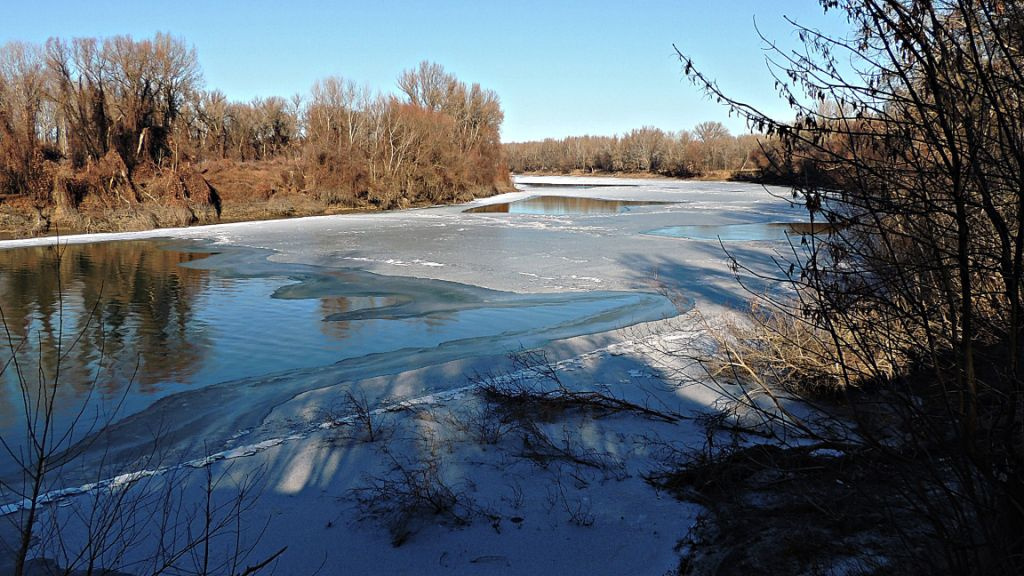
(560, 68)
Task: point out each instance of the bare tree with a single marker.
(118, 126)
(429, 86)
(21, 111)
(714, 137)
(916, 164)
(710, 147)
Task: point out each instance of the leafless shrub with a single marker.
(533, 391)
(765, 384)
(414, 490)
(515, 498)
(356, 416)
(912, 154)
(790, 354)
(480, 425)
(169, 521)
(578, 509)
(524, 401)
(540, 447)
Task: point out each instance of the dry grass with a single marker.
(778, 351)
(888, 494)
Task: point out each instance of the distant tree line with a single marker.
(708, 148)
(116, 123)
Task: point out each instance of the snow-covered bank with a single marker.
(578, 506)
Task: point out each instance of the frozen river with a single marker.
(207, 330)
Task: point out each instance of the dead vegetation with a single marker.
(803, 473)
(526, 413)
(783, 352)
(416, 491)
(909, 312)
(533, 390)
(525, 401)
(708, 152)
(789, 510)
(355, 418)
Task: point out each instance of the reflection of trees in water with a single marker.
(129, 303)
(334, 308)
(337, 329)
(437, 320)
(560, 205)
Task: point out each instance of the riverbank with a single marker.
(442, 483)
(249, 192)
(215, 192)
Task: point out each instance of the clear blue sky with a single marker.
(560, 67)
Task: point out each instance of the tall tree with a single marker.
(21, 108)
(917, 160)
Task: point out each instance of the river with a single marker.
(196, 335)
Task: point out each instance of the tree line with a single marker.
(117, 123)
(707, 149)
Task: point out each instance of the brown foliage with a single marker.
(109, 178)
(113, 130)
(441, 145)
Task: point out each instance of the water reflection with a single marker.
(168, 318)
(124, 309)
(341, 306)
(561, 206)
(88, 322)
(744, 232)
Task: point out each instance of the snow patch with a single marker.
(827, 453)
(394, 261)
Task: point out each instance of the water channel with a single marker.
(112, 327)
